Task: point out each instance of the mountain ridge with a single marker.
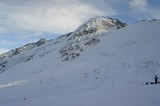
(85, 34)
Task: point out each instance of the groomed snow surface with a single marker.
(112, 72)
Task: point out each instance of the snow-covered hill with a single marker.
(72, 43)
(103, 62)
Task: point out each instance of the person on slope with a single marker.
(156, 79)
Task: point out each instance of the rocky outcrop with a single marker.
(96, 24)
(85, 36)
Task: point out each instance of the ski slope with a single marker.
(112, 71)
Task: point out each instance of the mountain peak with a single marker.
(100, 23)
(96, 24)
(88, 34)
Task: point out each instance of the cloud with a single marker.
(3, 30)
(139, 4)
(7, 43)
(145, 7)
(58, 16)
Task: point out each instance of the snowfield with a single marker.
(104, 68)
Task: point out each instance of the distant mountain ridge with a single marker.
(23, 48)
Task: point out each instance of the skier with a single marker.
(156, 79)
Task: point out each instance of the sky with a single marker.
(26, 21)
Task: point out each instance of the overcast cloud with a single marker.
(29, 20)
(56, 16)
(145, 8)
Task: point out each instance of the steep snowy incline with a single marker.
(111, 72)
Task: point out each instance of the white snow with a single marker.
(112, 72)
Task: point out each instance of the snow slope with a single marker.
(106, 67)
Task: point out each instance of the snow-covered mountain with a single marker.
(74, 42)
(103, 62)
(97, 24)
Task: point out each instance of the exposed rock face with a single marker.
(23, 48)
(96, 24)
(85, 35)
(40, 42)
